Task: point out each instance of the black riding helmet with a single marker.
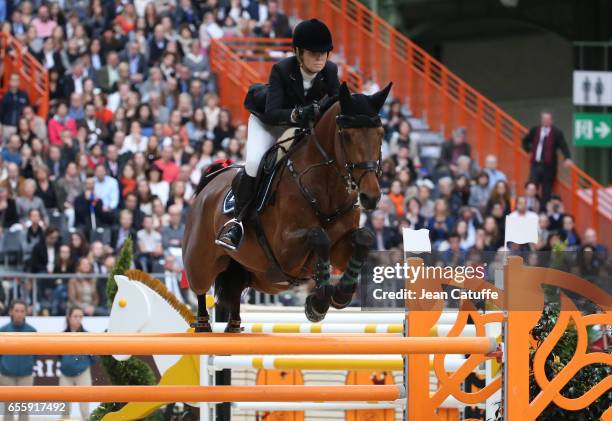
(313, 35)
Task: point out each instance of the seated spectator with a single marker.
(543, 231)
(79, 246)
(460, 196)
(123, 231)
(494, 174)
(14, 182)
(12, 151)
(106, 188)
(76, 111)
(87, 209)
(149, 245)
(28, 201)
(556, 212)
(521, 209)
(135, 141)
(131, 204)
(440, 225)
(173, 233)
(59, 123)
(166, 164)
(45, 252)
(36, 123)
(96, 130)
(500, 194)
(96, 157)
(424, 196)
(34, 233)
(158, 187)
(493, 236)
(45, 189)
(24, 131)
(12, 104)
(402, 137)
(386, 237)
(480, 192)
(8, 210)
(127, 181)
(452, 149)
(568, 232)
(82, 291)
(466, 233)
(160, 217)
(452, 254)
(145, 197)
(590, 239)
(466, 168)
(413, 214)
(397, 197)
(531, 195)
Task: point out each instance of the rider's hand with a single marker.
(306, 114)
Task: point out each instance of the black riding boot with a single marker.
(243, 186)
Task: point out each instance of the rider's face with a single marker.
(313, 62)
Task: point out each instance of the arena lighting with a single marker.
(509, 3)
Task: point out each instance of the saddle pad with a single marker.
(267, 174)
(261, 195)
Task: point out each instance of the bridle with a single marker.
(344, 169)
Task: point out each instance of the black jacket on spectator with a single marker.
(449, 150)
(39, 260)
(390, 238)
(285, 91)
(155, 51)
(530, 143)
(49, 197)
(83, 208)
(9, 215)
(12, 106)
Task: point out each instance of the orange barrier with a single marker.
(200, 393)
(378, 50)
(261, 54)
(236, 344)
(33, 76)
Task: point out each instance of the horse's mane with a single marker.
(161, 290)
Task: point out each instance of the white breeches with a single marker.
(260, 137)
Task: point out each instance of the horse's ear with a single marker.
(377, 100)
(345, 97)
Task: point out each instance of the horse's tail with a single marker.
(230, 283)
(210, 172)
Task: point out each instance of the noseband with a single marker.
(343, 122)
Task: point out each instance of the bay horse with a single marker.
(312, 220)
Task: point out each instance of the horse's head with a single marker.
(131, 308)
(359, 147)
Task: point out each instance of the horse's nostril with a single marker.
(367, 201)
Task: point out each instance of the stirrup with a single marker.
(228, 245)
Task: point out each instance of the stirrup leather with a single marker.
(222, 231)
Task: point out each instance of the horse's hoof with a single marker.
(342, 296)
(201, 326)
(314, 309)
(233, 327)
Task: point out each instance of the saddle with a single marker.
(272, 160)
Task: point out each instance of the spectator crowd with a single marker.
(135, 118)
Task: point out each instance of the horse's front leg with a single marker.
(317, 303)
(362, 240)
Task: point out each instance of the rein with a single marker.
(350, 182)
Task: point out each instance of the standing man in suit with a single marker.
(543, 143)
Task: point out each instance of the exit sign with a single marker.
(593, 129)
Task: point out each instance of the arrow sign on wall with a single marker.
(593, 129)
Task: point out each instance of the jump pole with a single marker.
(200, 393)
(234, 343)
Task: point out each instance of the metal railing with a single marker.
(377, 50)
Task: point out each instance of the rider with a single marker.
(295, 86)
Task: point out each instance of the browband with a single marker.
(357, 121)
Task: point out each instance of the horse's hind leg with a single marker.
(362, 240)
(228, 287)
(317, 303)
